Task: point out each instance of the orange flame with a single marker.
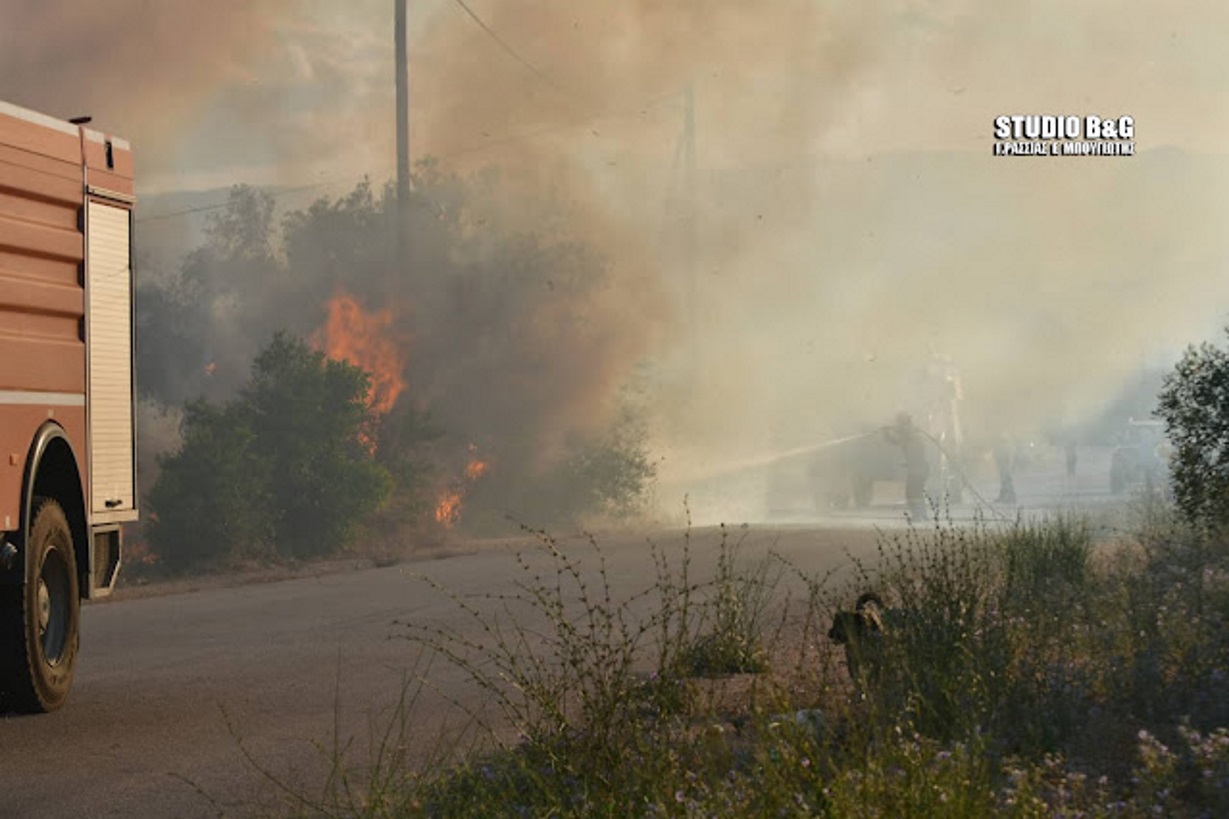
(475, 469)
(448, 508)
(361, 338)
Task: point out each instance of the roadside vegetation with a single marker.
(280, 471)
(1023, 669)
(298, 466)
(327, 404)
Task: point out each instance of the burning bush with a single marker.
(281, 470)
(516, 341)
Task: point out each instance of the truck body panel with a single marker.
(19, 424)
(66, 199)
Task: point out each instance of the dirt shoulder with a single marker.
(137, 584)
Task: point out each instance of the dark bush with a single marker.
(1194, 403)
(287, 468)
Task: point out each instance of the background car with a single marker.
(1141, 457)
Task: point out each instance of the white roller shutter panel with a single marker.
(109, 325)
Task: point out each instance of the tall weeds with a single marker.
(1020, 671)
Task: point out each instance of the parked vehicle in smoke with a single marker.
(846, 474)
(68, 478)
(1141, 457)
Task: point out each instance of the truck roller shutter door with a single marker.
(108, 290)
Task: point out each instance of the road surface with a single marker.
(171, 688)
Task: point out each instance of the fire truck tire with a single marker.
(40, 618)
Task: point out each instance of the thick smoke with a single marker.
(143, 70)
(259, 91)
(847, 216)
(849, 219)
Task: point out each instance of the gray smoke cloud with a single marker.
(848, 216)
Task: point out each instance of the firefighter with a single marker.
(1072, 456)
(1002, 460)
(906, 436)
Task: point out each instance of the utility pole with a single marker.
(403, 136)
(690, 265)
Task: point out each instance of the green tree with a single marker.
(197, 330)
(1194, 403)
(314, 430)
(286, 468)
(210, 501)
(611, 475)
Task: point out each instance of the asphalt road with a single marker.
(173, 690)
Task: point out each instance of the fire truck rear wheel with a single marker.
(40, 618)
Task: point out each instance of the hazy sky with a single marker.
(294, 88)
(304, 85)
(850, 216)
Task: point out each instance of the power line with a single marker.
(563, 126)
(158, 217)
(467, 149)
(510, 51)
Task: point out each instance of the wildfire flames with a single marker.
(362, 338)
(448, 508)
(475, 470)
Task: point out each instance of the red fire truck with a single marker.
(67, 427)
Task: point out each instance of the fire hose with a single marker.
(769, 460)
